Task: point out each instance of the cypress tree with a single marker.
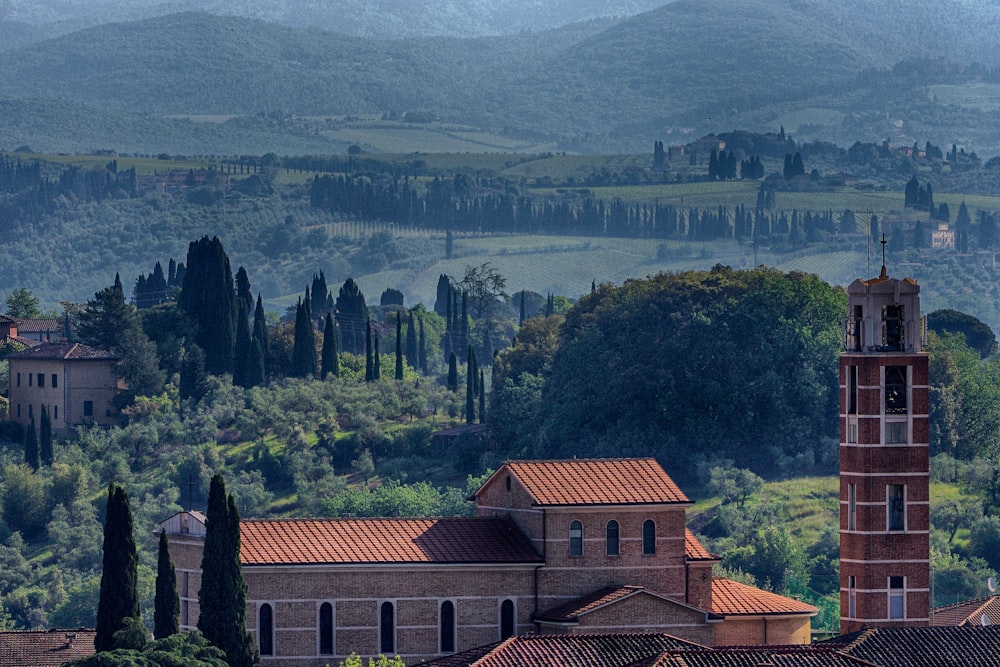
(330, 363)
(45, 437)
(243, 294)
(399, 346)
(411, 343)
(422, 349)
(377, 371)
(304, 348)
(453, 372)
(442, 304)
(31, 455)
(470, 388)
(119, 597)
(222, 597)
(167, 605)
(351, 314)
(208, 297)
(193, 381)
(482, 398)
(260, 337)
(243, 352)
(464, 324)
(369, 362)
(521, 318)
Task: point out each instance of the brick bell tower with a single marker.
(884, 458)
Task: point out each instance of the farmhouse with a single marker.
(565, 547)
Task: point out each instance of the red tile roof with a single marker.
(771, 656)
(51, 326)
(970, 612)
(44, 648)
(571, 611)
(731, 598)
(695, 550)
(63, 351)
(571, 650)
(384, 540)
(595, 482)
(966, 646)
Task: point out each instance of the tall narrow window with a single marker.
(896, 433)
(265, 629)
(88, 408)
(852, 596)
(387, 629)
(896, 507)
(611, 534)
(852, 431)
(892, 328)
(895, 390)
(575, 538)
(326, 629)
(18, 379)
(447, 627)
(858, 331)
(506, 619)
(41, 380)
(55, 381)
(648, 537)
(897, 597)
(852, 507)
(852, 390)
(55, 412)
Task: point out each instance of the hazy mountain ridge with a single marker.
(691, 66)
(383, 19)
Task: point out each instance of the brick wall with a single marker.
(761, 630)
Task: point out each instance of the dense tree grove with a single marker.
(208, 298)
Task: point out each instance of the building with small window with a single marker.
(565, 547)
(76, 383)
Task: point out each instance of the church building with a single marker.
(571, 546)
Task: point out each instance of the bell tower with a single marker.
(884, 458)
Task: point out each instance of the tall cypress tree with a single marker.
(411, 343)
(243, 293)
(399, 346)
(351, 315)
(222, 597)
(243, 352)
(377, 371)
(470, 387)
(208, 297)
(330, 362)
(31, 455)
(369, 362)
(304, 349)
(45, 437)
(521, 317)
(422, 349)
(260, 337)
(482, 398)
(166, 604)
(119, 594)
(453, 372)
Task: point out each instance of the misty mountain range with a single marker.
(907, 70)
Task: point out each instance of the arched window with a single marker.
(506, 619)
(447, 627)
(265, 629)
(575, 538)
(611, 537)
(387, 629)
(648, 537)
(326, 629)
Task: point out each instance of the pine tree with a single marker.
(31, 454)
(119, 598)
(330, 362)
(399, 346)
(45, 437)
(453, 372)
(222, 597)
(166, 604)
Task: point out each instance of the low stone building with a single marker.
(567, 547)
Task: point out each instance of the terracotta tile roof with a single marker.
(596, 482)
(571, 650)
(970, 612)
(52, 326)
(63, 351)
(965, 646)
(462, 659)
(7, 319)
(771, 656)
(384, 540)
(44, 648)
(731, 598)
(695, 550)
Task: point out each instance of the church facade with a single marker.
(574, 546)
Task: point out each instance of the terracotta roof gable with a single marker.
(595, 482)
(59, 351)
(731, 598)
